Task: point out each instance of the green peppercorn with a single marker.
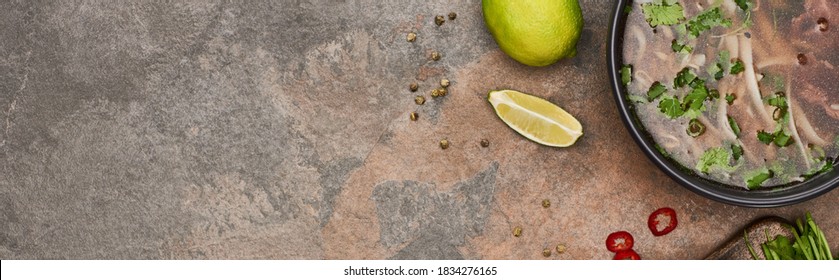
(444, 144)
(435, 55)
(411, 37)
(419, 100)
(546, 252)
(444, 83)
(414, 116)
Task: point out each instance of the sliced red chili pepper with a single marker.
(619, 241)
(627, 255)
(662, 221)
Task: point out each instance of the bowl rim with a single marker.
(771, 197)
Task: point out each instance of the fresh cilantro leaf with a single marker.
(680, 48)
(636, 98)
(737, 68)
(765, 137)
(715, 158)
(736, 151)
(823, 167)
(755, 178)
(730, 98)
(734, 126)
(671, 107)
(684, 78)
(626, 74)
(779, 101)
(695, 99)
(717, 71)
(656, 90)
(705, 21)
(744, 5)
(663, 13)
(782, 139)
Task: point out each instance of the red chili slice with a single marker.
(662, 221)
(627, 255)
(619, 241)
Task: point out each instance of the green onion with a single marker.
(695, 128)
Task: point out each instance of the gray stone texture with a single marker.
(280, 130)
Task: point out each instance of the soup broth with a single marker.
(745, 93)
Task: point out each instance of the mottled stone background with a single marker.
(280, 130)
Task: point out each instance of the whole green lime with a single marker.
(535, 32)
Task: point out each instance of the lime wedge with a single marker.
(535, 118)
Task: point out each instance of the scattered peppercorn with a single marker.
(452, 16)
(442, 91)
(484, 143)
(435, 55)
(411, 37)
(413, 87)
(444, 144)
(439, 20)
(414, 116)
(560, 248)
(823, 24)
(444, 83)
(419, 100)
(435, 93)
(802, 59)
(546, 252)
(517, 231)
(546, 203)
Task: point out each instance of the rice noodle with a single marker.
(778, 60)
(804, 124)
(722, 114)
(642, 40)
(729, 6)
(795, 137)
(751, 80)
(732, 46)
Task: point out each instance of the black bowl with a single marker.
(765, 197)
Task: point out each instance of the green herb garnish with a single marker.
(684, 78)
(730, 97)
(663, 13)
(680, 48)
(705, 21)
(671, 107)
(736, 151)
(823, 167)
(765, 137)
(626, 74)
(715, 158)
(755, 178)
(656, 90)
(738, 67)
(810, 243)
(744, 5)
(695, 128)
(782, 139)
(734, 126)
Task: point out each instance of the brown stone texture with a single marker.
(281, 130)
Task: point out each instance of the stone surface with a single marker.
(280, 130)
